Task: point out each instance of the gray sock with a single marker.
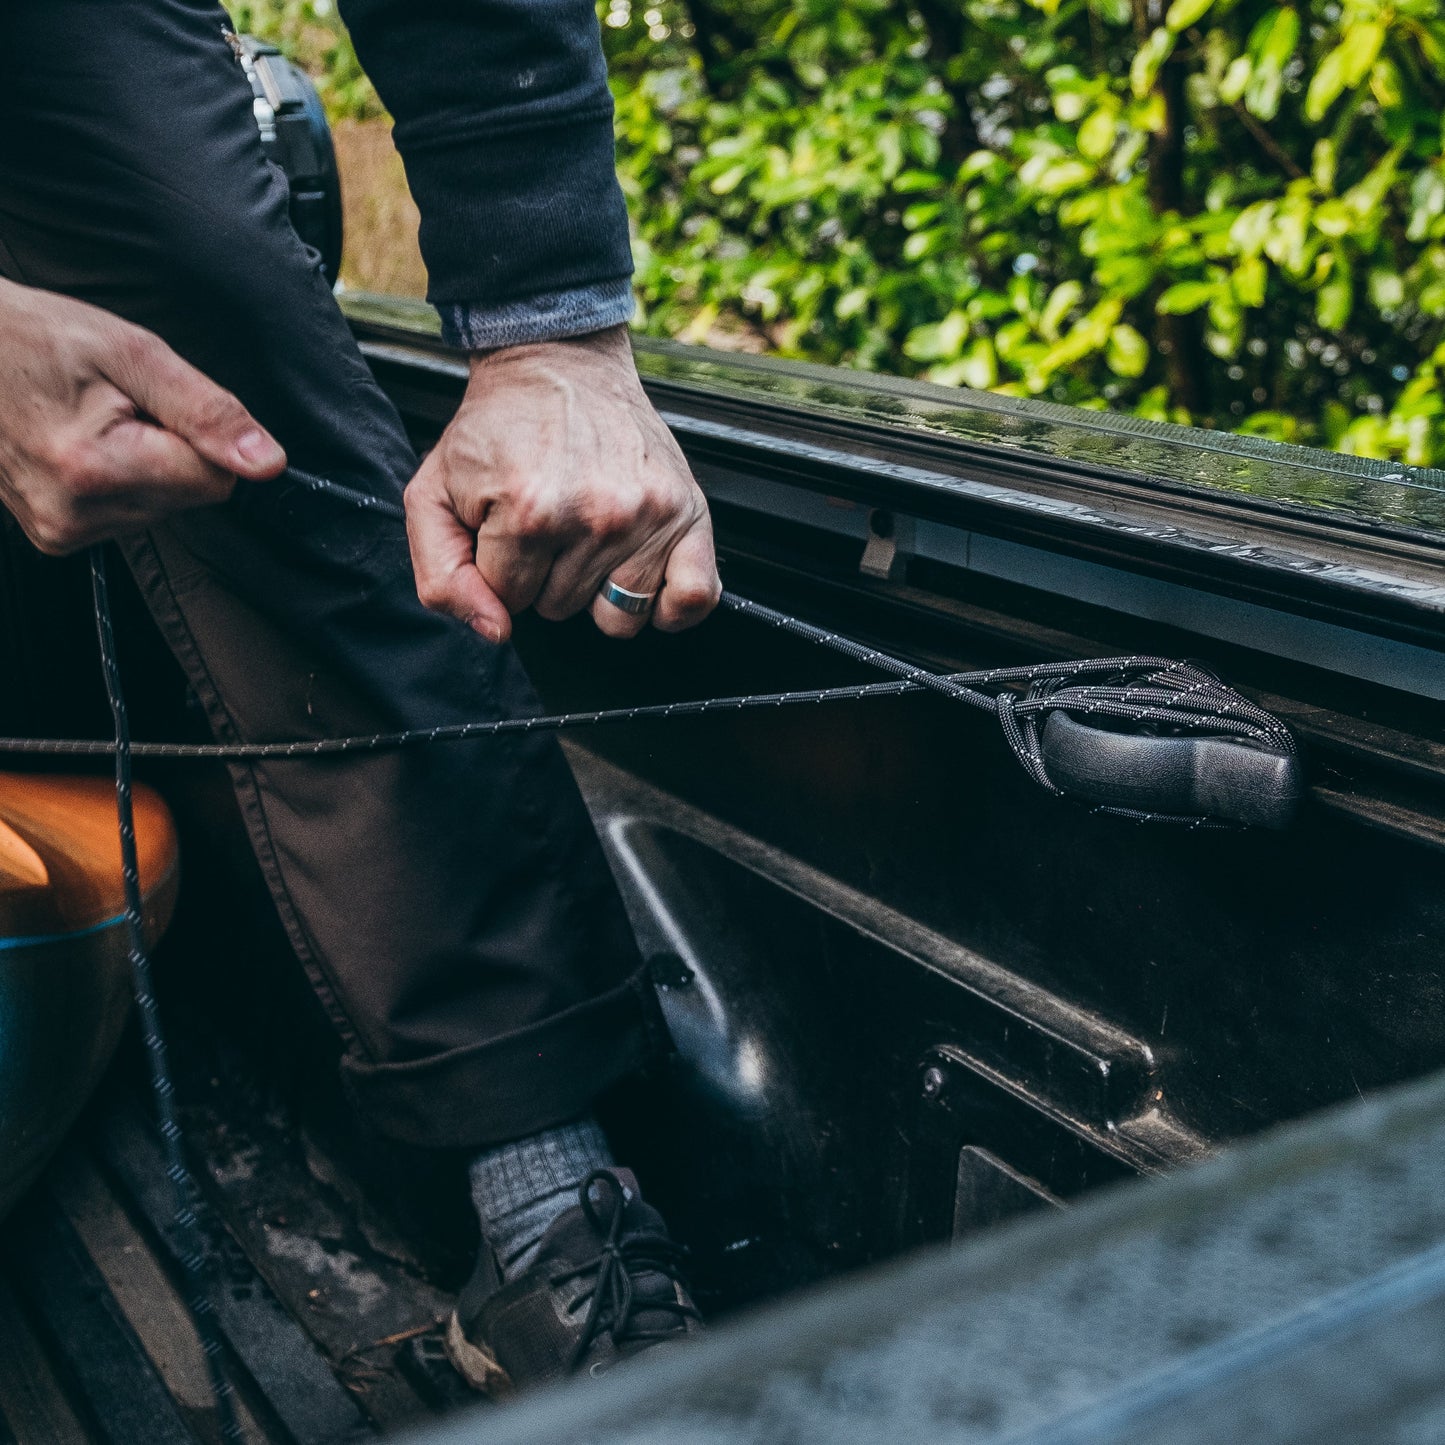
(521, 1187)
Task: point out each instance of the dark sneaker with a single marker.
(606, 1284)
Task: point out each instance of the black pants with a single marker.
(451, 905)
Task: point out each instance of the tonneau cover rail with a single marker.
(1352, 541)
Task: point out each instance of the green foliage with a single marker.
(1229, 212)
(1220, 211)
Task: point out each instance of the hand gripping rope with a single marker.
(1121, 732)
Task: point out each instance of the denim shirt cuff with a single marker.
(550, 316)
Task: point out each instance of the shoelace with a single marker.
(613, 1305)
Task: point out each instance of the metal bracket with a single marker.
(890, 544)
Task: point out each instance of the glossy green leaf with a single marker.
(1249, 280)
(1096, 135)
(1236, 80)
(1128, 352)
(1361, 47)
(1184, 13)
(1144, 68)
(1335, 298)
(1427, 202)
(1327, 83)
(1185, 296)
(1062, 300)
(729, 180)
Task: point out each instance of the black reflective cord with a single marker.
(188, 1226)
(1140, 691)
(1216, 711)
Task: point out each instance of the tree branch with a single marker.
(1267, 143)
(947, 33)
(1181, 337)
(720, 42)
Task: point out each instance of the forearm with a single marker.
(556, 475)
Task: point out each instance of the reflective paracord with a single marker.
(1141, 691)
(183, 1189)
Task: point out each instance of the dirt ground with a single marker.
(381, 220)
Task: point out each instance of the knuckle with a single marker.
(656, 502)
(624, 508)
(50, 456)
(695, 598)
(412, 496)
(135, 348)
(430, 593)
(81, 471)
(688, 601)
(610, 518)
(533, 515)
(53, 533)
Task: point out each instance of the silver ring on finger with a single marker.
(632, 603)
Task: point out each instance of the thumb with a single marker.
(192, 406)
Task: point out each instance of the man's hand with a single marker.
(105, 430)
(556, 474)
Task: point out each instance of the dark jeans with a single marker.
(450, 904)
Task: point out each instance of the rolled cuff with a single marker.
(550, 316)
(525, 1081)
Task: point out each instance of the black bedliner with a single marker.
(914, 997)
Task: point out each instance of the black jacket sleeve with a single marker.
(504, 122)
